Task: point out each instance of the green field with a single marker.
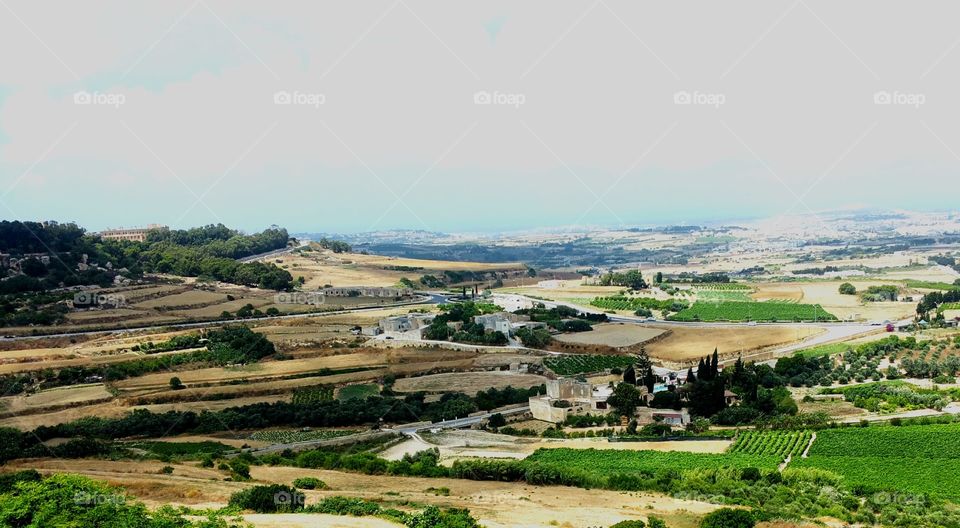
(297, 435)
(583, 364)
(908, 441)
(362, 391)
(723, 296)
(722, 286)
(773, 443)
(824, 350)
(937, 477)
(619, 302)
(599, 463)
(927, 285)
(906, 459)
(753, 311)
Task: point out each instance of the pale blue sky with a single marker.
(398, 141)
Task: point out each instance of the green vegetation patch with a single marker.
(300, 435)
(825, 350)
(937, 477)
(930, 285)
(753, 311)
(939, 441)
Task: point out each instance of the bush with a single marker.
(268, 499)
(240, 470)
(309, 483)
(629, 524)
(728, 518)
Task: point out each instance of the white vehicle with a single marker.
(752, 323)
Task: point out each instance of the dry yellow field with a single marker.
(54, 398)
(496, 504)
(467, 382)
(321, 268)
(613, 334)
(845, 307)
(188, 298)
(690, 343)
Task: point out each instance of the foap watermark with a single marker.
(90, 299)
(299, 98)
(683, 97)
(284, 500)
(882, 498)
(314, 298)
(499, 98)
(82, 498)
(493, 498)
(898, 98)
(99, 98)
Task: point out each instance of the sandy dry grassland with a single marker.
(686, 343)
(496, 504)
(321, 268)
(613, 334)
(468, 382)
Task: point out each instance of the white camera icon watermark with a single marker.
(683, 97)
(284, 499)
(284, 97)
(314, 298)
(102, 299)
(884, 97)
(99, 98)
(497, 97)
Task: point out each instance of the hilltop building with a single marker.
(133, 234)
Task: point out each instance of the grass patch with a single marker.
(824, 350)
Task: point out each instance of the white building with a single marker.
(495, 322)
(568, 396)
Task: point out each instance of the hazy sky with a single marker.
(596, 112)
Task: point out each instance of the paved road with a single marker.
(406, 429)
(459, 423)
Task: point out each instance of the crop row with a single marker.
(753, 311)
(722, 286)
(772, 443)
(619, 302)
(298, 435)
(582, 364)
(939, 441)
